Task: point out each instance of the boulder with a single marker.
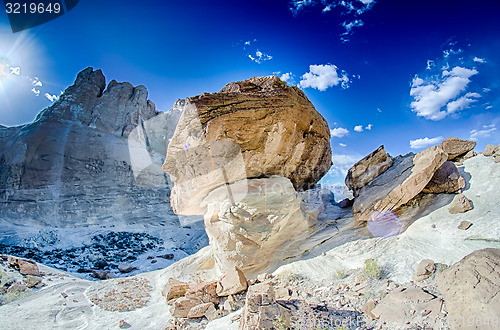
(251, 129)
(425, 269)
(402, 182)
(126, 268)
(261, 311)
(206, 292)
(183, 305)
(446, 179)
(200, 310)
(24, 266)
(400, 307)
(254, 224)
(232, 282)
(33, 281)
(460, 204)
(368, 308)
(174, 289)
(456, 147)
(367, 169)
(489, 150)
(471, 289)
(346, 202)
(464, 225)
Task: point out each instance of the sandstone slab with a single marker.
(456, 147)
(232, 282)
(489, 150)
(367, 169)
(183, 305)
(174, 289)
(425, 269)
(403, 181)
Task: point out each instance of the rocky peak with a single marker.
(255, 84)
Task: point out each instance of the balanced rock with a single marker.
(456, 147)
(489, 150)
(232, 282)
(251, 129)
(446, 179)
(460, 204)
(399, 184)
(367, 169)
(471, 288)
(253, 224)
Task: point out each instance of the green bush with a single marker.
(372, 269)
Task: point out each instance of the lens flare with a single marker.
(385, 224)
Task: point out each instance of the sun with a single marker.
(4, 70)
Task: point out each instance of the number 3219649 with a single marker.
(32, 8)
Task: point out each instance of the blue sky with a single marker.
(405, 74)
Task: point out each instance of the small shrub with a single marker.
(341, 274)
(372, 269)
(279, 324)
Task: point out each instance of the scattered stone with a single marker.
(174, 289)
(232, 282)
(125, 295)
(206, 291)
(282, 293)
(368, 308)
(33, 281)
(126, 268)
(122, 324)
(464, 225)
(262, 277)
(471, 288)
(28, 267)
(346, 202)
(168, 256)
(489, 150)
(183, 305)
(235, 317)
(64, 295)
(455, 147)
(446, 179)
(211, 313)
(230, 304)
(460, 204)
(199, 310)
(425, 269)
(103, 274)
(367, 169)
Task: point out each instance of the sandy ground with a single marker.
(434, 236)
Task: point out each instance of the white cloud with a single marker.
(358, 128)
(430, 64)
(425, 142)
(260, 57)
(348, 26)
(369, 127)
(430, 97)
(327, 8)
(15, 70)
(342, 164)
(324, 76)
(462, 102)
(298, 5)
(35, 91)
(51, 98)
(343, 145)
(37, 83)
(379, 110)
(287, 77)
(485, 132)
(339, 132)
(479, 60)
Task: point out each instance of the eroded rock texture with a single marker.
(250, 129)
(94, 156)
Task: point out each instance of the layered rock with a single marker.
(94, 156)
(456, 147)
(470, 289)
(253, 224)
(367, 169)
(254, 128)
(402, 182)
